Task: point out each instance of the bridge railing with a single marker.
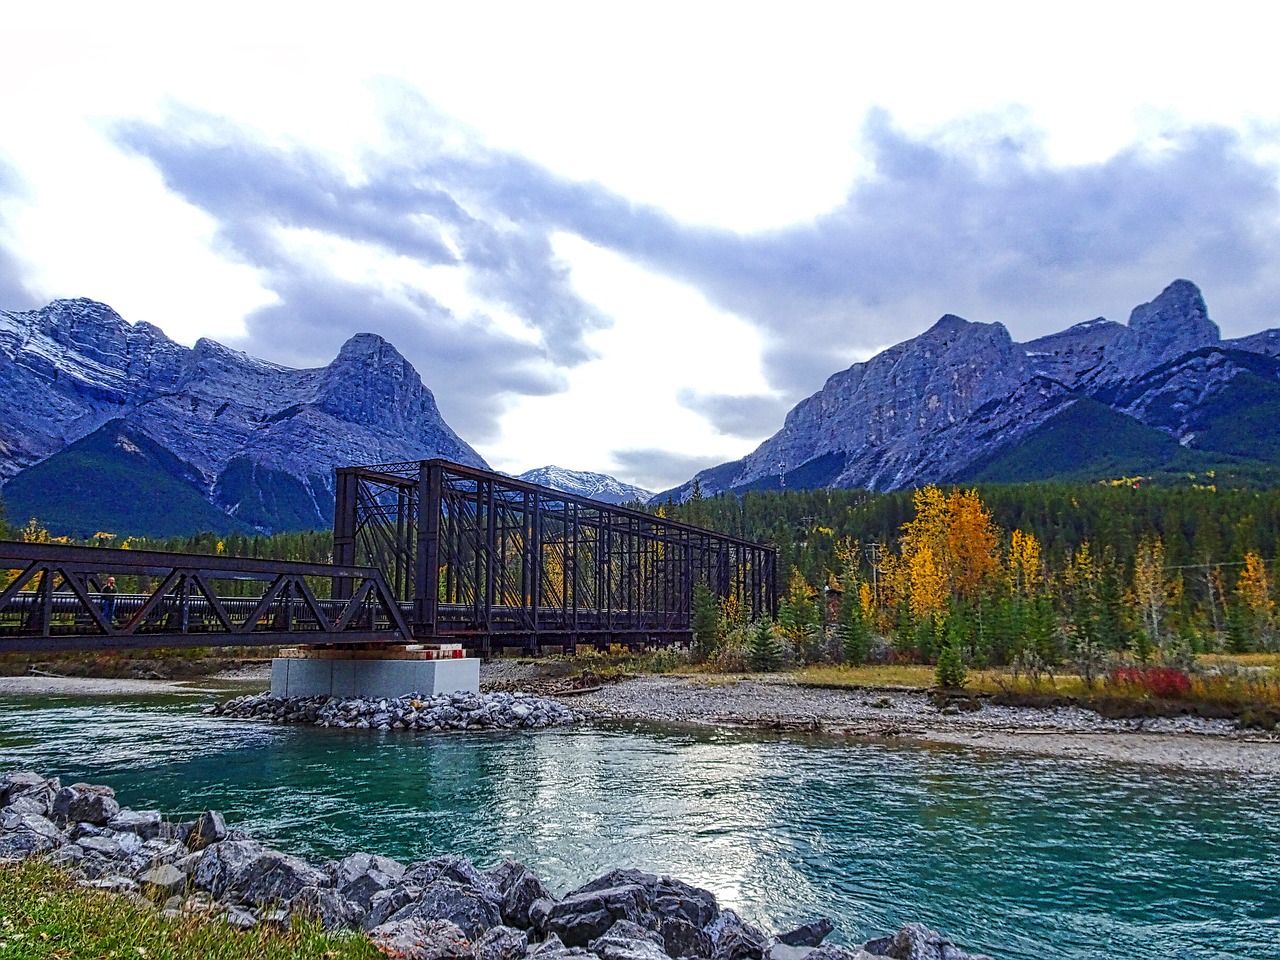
(55, 600)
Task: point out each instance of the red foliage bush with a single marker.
(1164, 682)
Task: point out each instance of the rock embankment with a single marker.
(446, 711)
(443, 908)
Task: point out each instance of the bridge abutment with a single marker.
(334, 675)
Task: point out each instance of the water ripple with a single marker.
(1021, 857)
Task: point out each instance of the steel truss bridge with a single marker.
(425, 552)
(500, 562)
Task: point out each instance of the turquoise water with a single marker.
(1020, 857)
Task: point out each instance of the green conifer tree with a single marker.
(764, 651)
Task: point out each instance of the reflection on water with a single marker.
(1020, 857)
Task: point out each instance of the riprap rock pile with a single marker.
(451, 711)
(443, 908)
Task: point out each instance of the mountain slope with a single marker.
(257, 440)
(583, 483)
(962, 401)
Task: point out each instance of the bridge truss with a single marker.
(494, 561)
(53, 600)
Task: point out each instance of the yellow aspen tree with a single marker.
(1151, 587)
(1253, 588)
(928, 583)
(1025, 574)
(972, 546)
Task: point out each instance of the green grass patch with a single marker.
(44, 915)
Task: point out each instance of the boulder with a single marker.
(554, 949)
(810, 934)
(667, 896)
(504, 873)
(326, 906)
(221, 862)
(468, 908)
(85, 803)
(145, 823)
(35, 792)
(502, 943)
(275, 877)
(386, 903)
(362, 889)
(519, 896)
(587, 914)
(453, 868)
(419, 939)
(24, 834)
(164, 881)
(210, 827)
(626, 940)
(68, 856)
(682, 939)
(735, 940)
(112, 883)
(831, 951)
(915, 941)
(348, 869)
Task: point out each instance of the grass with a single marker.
(44, 915)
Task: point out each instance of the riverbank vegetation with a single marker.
(46, 915)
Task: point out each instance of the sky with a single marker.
(629, 237)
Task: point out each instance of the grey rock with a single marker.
(587, 914)
(328, 907)
(626, 940)
(241, 919)
(915, 941)
(221, 863)
(782, 951)
(469, 908)
(553, 949)
(24, 834)
(810, 934)
(519, 896)
(29, 791)
(503, 874)
(386, 903)
(350, 868)
(667, 897)
(210, 827)
(366, 886)
(735, 940)
(112, 884)
(165, 880)
(453, 868)
(419, 939)
(144, 823)
(275, 877)
(85, 803)
(67, 856)
(683, 939)
(502, 943)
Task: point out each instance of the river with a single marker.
(1019, 857)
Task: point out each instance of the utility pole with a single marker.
(874, 551)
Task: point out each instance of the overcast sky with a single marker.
(629, 237)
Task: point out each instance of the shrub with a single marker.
(1166, 683)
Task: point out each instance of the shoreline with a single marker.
(776, 703)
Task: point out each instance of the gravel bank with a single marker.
(780, 704)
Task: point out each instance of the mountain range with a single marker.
(107, 425)
(584, 483)
(962, 402)
(112, 426)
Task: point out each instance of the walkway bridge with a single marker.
(427, 552)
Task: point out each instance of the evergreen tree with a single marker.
(951, 673)
(706, 622)
(855, 631)
(764, 651)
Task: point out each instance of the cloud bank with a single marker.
(971, 219)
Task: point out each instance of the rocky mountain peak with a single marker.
(1174, 323)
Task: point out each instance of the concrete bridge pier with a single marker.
(373, 673)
